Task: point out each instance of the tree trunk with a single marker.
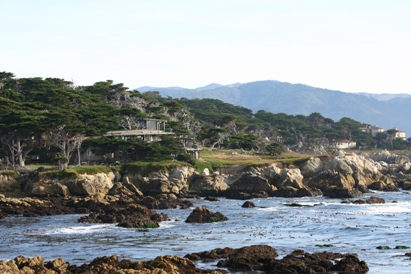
(19, 154)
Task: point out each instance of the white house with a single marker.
(344, 144)
(373, 130)
(400, 134)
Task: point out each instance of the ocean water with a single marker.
(323, 224)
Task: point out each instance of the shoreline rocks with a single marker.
(342, 175)
(106, 264)
(261, 258)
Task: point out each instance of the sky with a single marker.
(350, 45)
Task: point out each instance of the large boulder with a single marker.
(312, 166)
(262, 258)
(89, 185)
(335, 185)
(32, 207)
(389, 158)
(350, 264)
(161, 182)
(205, 185)
(50, 188)
(130, 216)
(202, 214)
(288, 182)
(250, 258)
(348, 175)
(251, 182)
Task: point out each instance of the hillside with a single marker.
(293, 99)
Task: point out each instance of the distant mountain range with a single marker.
(386, 110)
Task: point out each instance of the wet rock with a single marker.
(371, 200)
(262, 259)
(164, 201)
(385, 184)
(202, 214)
(249, 258)
(104, 265)
(302, 262)
(245, 196)
(209, 256)
(248, 204)
(129, 216)
(297, 192)
(350, 264)
(32, 207)
(406, 185)
(211, 199)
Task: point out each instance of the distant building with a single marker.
(150, 131)
(343, 144)
(400, 134)
(373, 130)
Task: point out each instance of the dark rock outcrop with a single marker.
(249, 258)
(245, 195)
(248, 204)
(213, 255)
(202, 214)
(130, 216)
(350, 264)
(262, 258)
(32, 207)
(371, 200)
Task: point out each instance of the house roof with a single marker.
(344, 141)
(137, 132)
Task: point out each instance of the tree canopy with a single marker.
(55, 116)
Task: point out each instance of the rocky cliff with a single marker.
(340, 175)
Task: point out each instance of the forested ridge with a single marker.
(54, 119)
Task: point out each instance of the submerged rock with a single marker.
(248, 204)
(371, 200)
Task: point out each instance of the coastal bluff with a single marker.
(341, 175)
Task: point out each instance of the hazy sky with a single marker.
(349, 45)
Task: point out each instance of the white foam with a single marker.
(393, 208)
(167, 224)
(268, 209)
(82, 229)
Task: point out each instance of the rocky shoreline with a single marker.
(131, 200)
(246, 259)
